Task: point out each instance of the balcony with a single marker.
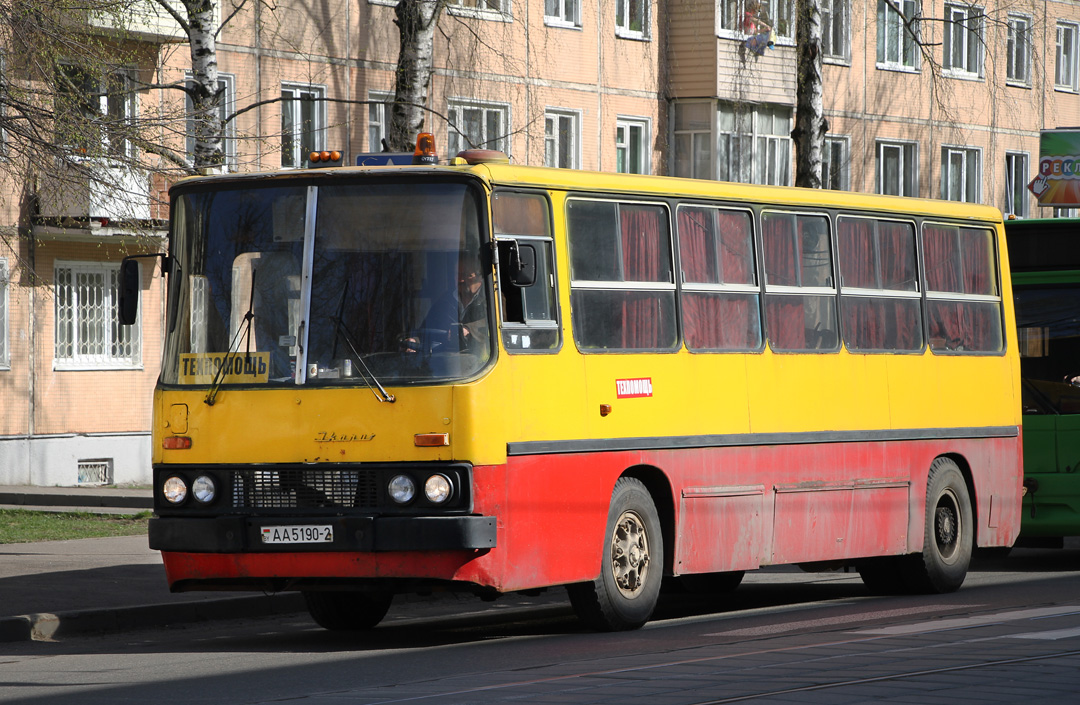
(144, 20)
(94, 194)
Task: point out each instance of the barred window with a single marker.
(88, 332)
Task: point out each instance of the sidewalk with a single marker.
(61, 588)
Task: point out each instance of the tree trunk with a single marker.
(206, 95)
(416, 21)
(810, 122)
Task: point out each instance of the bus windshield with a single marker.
(1048, 327)
(296, 283)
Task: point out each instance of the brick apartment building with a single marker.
(660, 86)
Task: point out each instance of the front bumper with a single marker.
(241, 534)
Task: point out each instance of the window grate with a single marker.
(95, 472)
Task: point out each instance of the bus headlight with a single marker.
(204, 489)
(438, 489)
(174, 489)
(402, 489)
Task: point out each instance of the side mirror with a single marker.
(520, 262)
(130, 291)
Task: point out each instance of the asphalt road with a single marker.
(1011, 634)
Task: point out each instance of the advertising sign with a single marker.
(1058, 180)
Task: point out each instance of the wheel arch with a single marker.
(659, 487)
(969, 480)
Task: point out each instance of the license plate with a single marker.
(298, 534)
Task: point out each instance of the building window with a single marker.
(477, 126)
(101, 110)
(1065, 69)
(960, 177)
(225, 108)
(88, 332)
(378, 119)
(898, 168)
(4, 355)
(835, 164)
(561, 131)
(962, 43)
(632, 19)
(562, 13)
(896, 45)
(632, 146)
(693, 123)
(1018, 50)
(303, 123)
(488, 9)
(835, 43)
(1016, 179)
(754, 144)
(742, 17)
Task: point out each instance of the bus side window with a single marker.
(527, 310)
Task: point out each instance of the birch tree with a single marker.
(416, 21)
(810, 123)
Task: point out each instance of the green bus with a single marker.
(1044, 255)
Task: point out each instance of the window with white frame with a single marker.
(378, 119)
(896, 34)
(562, 13)
(1065, 68)
(835, 33)
(224, 109)
(88, 332)
(477, 126)
(962, 42)
(103, 109)
(693, 129)
(632, 19)
(562, 130)
(632, 145)
(1018, 50)
(898, 168)
(1016, 169)
(835, 164)
(754, 144)
(488, 9)
(737, 18)
(960, 174)
(4, 355)
(303, 122)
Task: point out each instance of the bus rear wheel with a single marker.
(625, 594)
(347, 611)
(948, 532)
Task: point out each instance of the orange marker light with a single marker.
(431, 440)
(176, 443)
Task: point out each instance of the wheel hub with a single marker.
(629, 554)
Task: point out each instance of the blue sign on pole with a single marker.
(384, 159)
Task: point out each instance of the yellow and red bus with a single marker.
(499, 378)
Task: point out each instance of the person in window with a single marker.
(457, 320)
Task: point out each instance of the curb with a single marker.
(46, 626)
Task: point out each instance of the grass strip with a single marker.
(27, 526)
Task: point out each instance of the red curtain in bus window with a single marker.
(863, 328)
(645, 259)
(899, 272)
(978, 262)
(786, 320)
(702, 317)
(959, 261)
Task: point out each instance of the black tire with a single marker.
(948, 532)
(712, 583)
(625, 594)
(347, 611)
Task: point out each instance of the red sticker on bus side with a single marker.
(633, 388)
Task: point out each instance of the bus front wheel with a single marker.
(949, 532)
(625, 594)
(347, 611)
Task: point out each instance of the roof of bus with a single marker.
(605, 182)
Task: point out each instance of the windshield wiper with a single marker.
(245, 327)
(381, 394)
